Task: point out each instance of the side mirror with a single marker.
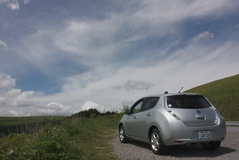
(126, 112)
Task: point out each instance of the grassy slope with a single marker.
(224, 95)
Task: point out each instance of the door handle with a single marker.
(149, 114)
(134, 117)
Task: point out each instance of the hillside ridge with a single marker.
(223, 94)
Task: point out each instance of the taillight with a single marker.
(167, 108)
(173, 114)
(218, 117)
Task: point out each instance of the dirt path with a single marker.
(229, 149)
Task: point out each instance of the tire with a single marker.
(211, 146)
(122, 137)
(156, 143)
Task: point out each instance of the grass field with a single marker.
(7, 121)
(26, 124)
(73, 138)
(224, 95)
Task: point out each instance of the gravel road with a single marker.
(229, 149)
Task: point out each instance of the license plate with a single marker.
(204, 134)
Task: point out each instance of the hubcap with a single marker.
(155, 141)
(121, 134)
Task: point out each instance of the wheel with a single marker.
(156, 142)
(123, 138)
(211, 146)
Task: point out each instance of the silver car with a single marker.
(173, 119)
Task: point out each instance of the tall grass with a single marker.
(74, 138)
(26, 124)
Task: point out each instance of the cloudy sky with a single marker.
(58, 57)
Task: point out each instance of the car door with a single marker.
(139, 118)
(144, 119)
(131, 125)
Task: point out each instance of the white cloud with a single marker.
(236, 26)
(91, 105)
(91, 42)
(98, 37)
(135, 85)
(13, 97)
(95, 42)
(54, 108)
(2, 100)
(26, 1)
(6, 82)
(13, 113)
(14, 92)
(14, 5)
(188, 67)
(3, 44)
(14, 102)
(4, 1)
(165, 17)
(203, 35)
(23, 99)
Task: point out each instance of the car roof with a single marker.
(170, 94)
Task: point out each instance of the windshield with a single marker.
(187, 101)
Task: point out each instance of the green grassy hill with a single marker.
(223, 94)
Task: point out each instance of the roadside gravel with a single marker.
(229, 149)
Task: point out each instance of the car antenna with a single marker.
(180, 90)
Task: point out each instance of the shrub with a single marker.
(56, 144)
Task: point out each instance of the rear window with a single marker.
(187, 101)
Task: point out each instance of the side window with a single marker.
(149, 103)
(136, 108)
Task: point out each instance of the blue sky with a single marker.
(58, 57)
